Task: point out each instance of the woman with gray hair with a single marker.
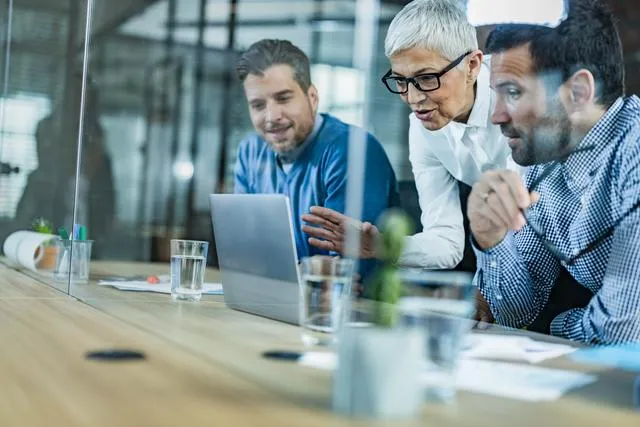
(439, 72)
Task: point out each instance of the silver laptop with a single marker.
(257, 254)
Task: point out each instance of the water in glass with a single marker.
(187, 276)
(323, 307)
(443, 308)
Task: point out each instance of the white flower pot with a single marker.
(378, 373)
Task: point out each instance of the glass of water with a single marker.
(326, 288)
(442, 304)
(188, 264)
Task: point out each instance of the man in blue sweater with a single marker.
(296, 151)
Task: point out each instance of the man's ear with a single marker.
(312, 94)
(582, 89)
(475, 63)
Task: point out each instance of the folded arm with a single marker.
(613, 314)
(441, 242)
(516, 283)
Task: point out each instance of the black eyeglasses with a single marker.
(539, 230)
(423, 82)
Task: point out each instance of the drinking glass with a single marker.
(442, 304)
(188, 264)
(326, 288)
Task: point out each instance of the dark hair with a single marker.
(268, 52)
(587, 38)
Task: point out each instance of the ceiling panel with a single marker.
(257, 19)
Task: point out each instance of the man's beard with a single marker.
(301, 132)
(549, 140)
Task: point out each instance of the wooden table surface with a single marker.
(47, 381)
(205, 364)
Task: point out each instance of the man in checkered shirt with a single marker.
(560, 100)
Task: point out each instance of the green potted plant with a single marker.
(379, 366)
(387, 286)
(41, 225)
(47, 253)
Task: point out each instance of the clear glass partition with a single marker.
(172, 111)
(161, 111)
(42, 90)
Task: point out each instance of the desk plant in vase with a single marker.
(47, 253)
(379, 365)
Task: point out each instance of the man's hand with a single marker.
(483, 312)
(495, 206)
(330, 228)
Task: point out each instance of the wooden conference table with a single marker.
(204, 367)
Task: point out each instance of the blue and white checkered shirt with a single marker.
(580, 199)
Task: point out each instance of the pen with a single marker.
(282, 355)
(115, 355)
(79, 232)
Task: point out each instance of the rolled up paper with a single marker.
(26, 248)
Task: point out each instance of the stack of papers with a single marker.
(521, 382)
(163, 287)
(512, 347)
(515, 381)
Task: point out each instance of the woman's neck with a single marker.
(470, 99)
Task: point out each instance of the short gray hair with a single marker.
(439, 25)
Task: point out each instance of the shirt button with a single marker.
(493, 264)
(576, 252)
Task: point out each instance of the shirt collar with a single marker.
(291, 156)
(580, 166)
(480, 111)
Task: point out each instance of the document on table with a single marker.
(521, 382)
(163, 287)
(512, 347)
(507, 347)
(515, 381)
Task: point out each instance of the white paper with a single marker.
(522, 382)
(510, 347)
(319, 360)
(25, 248)
(162, 287)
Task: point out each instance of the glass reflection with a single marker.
(174, 112)
(40, 109)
